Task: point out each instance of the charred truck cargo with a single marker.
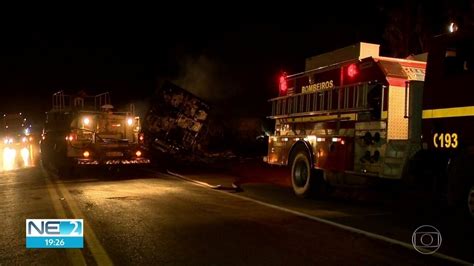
(176, 121)
(355, 117)
(82, 130)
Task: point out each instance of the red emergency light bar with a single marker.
(283, 84)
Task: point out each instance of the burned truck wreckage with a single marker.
(175, 122)
(181, 126)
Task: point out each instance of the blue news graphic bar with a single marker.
(55, 242)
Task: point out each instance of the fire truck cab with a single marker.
(83, 130)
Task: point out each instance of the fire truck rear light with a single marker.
(283, 85)
(352, 70)
(71, 137)
(343, 142)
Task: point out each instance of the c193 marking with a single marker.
(445, 140)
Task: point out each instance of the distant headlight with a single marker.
(8, 141)
(24, 139)
(130, 121)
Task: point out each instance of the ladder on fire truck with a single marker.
(338, 100)
(64, 102)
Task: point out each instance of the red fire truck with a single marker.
(354, 117)
(83, 131)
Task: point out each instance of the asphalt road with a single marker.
(153, 218)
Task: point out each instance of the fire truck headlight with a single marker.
(86, 154)
(129, 121)
(138, 153)
(86, 121)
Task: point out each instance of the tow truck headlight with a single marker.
(86, 154)
(138, 153)
(129, 121)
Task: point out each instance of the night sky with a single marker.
(230, 58)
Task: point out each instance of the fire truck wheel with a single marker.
(470, 201)
(302, 174)
(460, 190)
(45, 162)
(66, 169)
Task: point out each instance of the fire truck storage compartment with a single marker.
(335, 153)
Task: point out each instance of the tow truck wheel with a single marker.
(302, 174)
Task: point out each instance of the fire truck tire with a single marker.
(66, 170)
(45, 160)
(305, 180)
(470, 201)
(460, 192)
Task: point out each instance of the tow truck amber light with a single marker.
(138, 153)
(86, 154)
